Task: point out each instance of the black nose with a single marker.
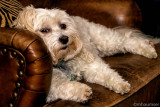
(63, 39)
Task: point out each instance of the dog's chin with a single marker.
(66, 52)
(59, 54)
(73, 49)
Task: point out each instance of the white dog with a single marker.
(77, 46)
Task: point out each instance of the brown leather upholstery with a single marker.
(25, 69)
(110, 13)
(31, 85)
(38, 3)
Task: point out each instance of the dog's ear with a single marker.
(25, 18)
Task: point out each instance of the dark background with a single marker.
(150, 16)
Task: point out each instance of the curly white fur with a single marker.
(80, 56)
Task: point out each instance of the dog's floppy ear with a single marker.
(25, 18)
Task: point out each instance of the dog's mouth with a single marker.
(60, 54)
(65, 47)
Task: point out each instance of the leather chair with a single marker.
(26, 65)
(25, 69)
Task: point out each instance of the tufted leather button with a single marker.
(18, 84)
(15, 94)
(20, 73)
(14, 54)
(4, 51)
(21, 62)
(10, 105)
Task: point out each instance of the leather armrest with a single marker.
(25, 69)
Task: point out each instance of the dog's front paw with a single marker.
(122, 87)
(80, 92)
(86, 95)
(72, 90)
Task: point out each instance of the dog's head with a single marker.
(55, 27)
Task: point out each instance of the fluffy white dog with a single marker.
(77, 46)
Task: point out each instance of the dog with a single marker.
(77, 45)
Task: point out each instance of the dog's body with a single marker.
(76, 46)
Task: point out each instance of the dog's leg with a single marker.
(62, 88)
(120, 40)
(137, 43)
(100, 73)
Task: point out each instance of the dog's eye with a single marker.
(46, 30)
(63, 26)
